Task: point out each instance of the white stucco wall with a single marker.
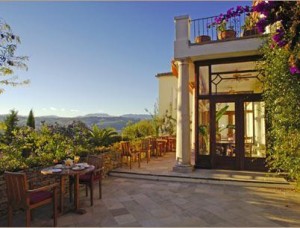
(167, 98)
(168, 94)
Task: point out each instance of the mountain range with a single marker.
(103, 120)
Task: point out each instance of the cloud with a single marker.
(53, 109)
(74, 110)
(62, 109)
(44, 109)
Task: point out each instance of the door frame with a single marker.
(237, 162)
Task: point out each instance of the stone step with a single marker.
(204, 180)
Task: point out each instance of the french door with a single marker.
(237, 133)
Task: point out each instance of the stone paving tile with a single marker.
(120, 211)
(125, 219)
(137, 203)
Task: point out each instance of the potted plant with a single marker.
(249, 28)
(202, 38)
(224, 32)
(221, 22)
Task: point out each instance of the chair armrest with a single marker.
(98, 170)
(48, 187)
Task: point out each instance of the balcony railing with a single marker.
(201, 27)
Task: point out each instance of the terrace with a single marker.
(204, 31)
(181, 201)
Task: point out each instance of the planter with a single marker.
(201, 39)
(250, 32)
(226, 34)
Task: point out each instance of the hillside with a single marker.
(102, 120)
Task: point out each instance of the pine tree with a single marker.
(31, 120)
(11, 122)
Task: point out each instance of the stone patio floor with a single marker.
(130, 202)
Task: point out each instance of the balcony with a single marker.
(202, 32)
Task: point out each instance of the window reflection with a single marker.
(254, 135)
(204, 146)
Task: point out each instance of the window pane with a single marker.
(203, 80)
(234, 78)
(254, 135)
(204, 147)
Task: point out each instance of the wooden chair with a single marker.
(145, 148)
(20, 197)
(161, 146)
(153, 147)
(90, 178)
(130, 154)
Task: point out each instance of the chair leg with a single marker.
(92, 193)
(70, 189)
(139, 160)
(55, 208)
(9, 216)
(28, 217)
(100, 189)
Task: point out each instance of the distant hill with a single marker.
(101, 119)
(97, 115)
(137, 116)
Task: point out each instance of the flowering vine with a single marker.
(221, 20)
(283, 17)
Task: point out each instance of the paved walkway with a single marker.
(150, 203)
(135, 203)
(161, 169)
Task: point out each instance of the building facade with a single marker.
(220, 90)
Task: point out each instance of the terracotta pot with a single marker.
(250, 32)
(226, 34)
(202, 38)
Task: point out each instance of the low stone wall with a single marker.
(111, 160)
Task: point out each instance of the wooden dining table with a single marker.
(63, 174)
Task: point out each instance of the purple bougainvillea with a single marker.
(294, 70)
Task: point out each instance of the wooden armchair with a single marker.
(88, 179)
(20, 197)
(145, 148)
(127, 152)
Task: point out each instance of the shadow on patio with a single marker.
(161, 168)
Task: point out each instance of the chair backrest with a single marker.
(16, 186)
(153, 144)
(145, 145)
(125, 147)
(95, 161)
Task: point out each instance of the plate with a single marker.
(76, 168)
(59, 166)
(85, 165)
(55, 170)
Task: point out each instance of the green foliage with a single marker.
(156, 121)
(103, 136)
(31, 148)
(168, 126)
(31, 120)
(282, 100)
(10, 122)
(140, 129)
(8, 59)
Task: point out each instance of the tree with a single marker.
(281, 70)
(8, 59)
(31, 120)
(11, 122)
(103, 137)
(157, 121)
(140, 129)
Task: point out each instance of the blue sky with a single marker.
(90, 57)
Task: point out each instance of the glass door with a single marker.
(254, 135)
(224, 131)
